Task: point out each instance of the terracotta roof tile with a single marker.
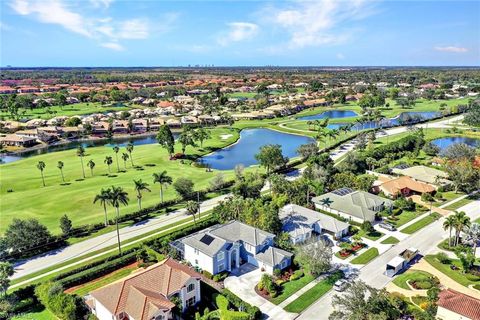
(460, 303)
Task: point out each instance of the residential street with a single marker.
(425, 241)
(105, 240)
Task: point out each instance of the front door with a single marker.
(233, 260)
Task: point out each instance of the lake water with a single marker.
(448, 141)
(402, 119)
(121, 142)
(331, 114)
(243, 152)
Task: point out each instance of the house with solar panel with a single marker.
(352, 204)
(225, 247)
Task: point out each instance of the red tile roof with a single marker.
(459, 303)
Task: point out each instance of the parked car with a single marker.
(340, 285)
(387, 226)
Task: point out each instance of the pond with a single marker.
(331, 114)
(243, 152)
(448, 141)
(121, 142)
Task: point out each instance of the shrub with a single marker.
(59, 303)
(221, 301)
(277, 272)
(253, 311)
(296, 275)
(472, 277)
(207, 274)
(443, 258)
(422, 285)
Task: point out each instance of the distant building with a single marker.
(17, 141)
(352, 204)
(404, 186)
(424, 174)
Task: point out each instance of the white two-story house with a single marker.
(227, 246)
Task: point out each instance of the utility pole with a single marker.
(198, 201)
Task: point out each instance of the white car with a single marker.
(340, 285)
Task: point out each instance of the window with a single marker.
(196, 251)
(220, 256)
(160, 317)
(191, 301)
(196, 261)
(221, 267)
(284, 264)
(191, 287)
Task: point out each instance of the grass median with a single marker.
(366, 257)
(422, 223)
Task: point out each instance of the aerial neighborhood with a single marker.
(239, 160)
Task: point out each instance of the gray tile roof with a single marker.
(359, 204)
(219, 235)
(273, 256)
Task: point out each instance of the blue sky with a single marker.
(231, 33)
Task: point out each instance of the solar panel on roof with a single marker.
(342, 191)
(207, 239)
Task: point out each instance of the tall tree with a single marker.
(140, 186)
(461, 221)
(449, 224)
(186, 138)
(103, 197)
(192, 209)
(125, 157)
(91, 165)
(129, 148)
(201, 134)
(163, 179)
(165, 139)
(117, 197)
(81, 154)
(270, 156)
(6, 271)
(60, 167)
(116, 149)
(108, 161)
(65, 225)
(183, 187)
(41, 167)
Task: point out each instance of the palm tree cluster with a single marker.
(458, 222)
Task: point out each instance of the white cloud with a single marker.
(451, 49)
(340, 56)
(316, 23)
(238, 31)
(133, 29)
(5, 27)
(113, 45)
(53, 12)
(105, 30)
(101, 3)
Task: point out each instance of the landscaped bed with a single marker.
(453, 269)
(419, 280)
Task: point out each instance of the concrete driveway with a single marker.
(242, 282)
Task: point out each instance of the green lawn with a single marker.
(390, 240)
(92, 285)
(291, 287)
(30, 200)
(403, 218)
(313, 294)
(457, 205)
(401, 280)
(456, 275)
(41, 314)
(69, 110)
(430, 218)
(366, 257)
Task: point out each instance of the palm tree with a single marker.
(41, 166)
(117, 197)
(473, 236)
(116, 149)
(108, 161)
(326, 202)
(60, 167)
(103, 197)
(461, 221)
(81, 154)
(449, 224)
(163, 179)
(91, 165)
(129, 148)
(192, 208)
(139, 187)
(125, 157)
